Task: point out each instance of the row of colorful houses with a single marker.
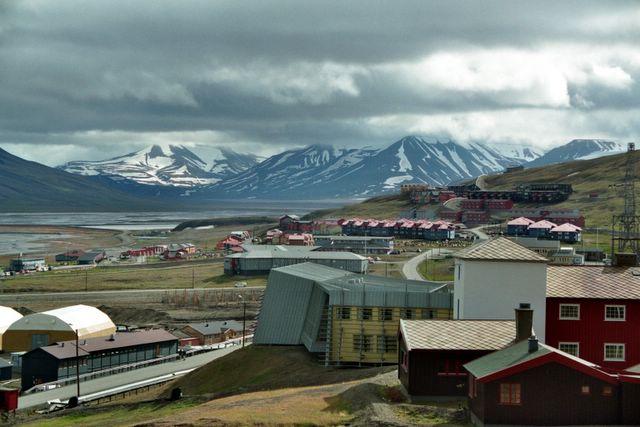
(544, 229)
(402, 228)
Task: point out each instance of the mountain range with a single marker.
(176, 174)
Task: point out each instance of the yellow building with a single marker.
(346, 318)
(41, 329)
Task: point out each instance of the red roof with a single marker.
(521, 221)
(543, 224)
(566, 228)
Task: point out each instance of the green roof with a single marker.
(505, 358)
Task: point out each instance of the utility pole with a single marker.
(244, 319)
(86, 280)
(193, 277)
(625, 227)
(77, 367)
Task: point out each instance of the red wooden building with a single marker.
(594, 312)
(530, 383)
(290, 223)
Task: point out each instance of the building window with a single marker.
(344, 313)
(614, 352)
(569, 311)
(406, 313)
(428, 314)
(607, 390)
(385, 314)
(451, 368)
(362, 343)
(365, 314)
(387, 344)
(510, 394)
(573, 348)
(614, 312)
(404, 359)
(585, 389)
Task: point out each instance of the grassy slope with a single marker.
(266, 368)
(377, 207)
(586, 176)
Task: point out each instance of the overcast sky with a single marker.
(94, 79)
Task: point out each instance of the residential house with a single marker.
(530, 383)
(567, 233)
(214, 332)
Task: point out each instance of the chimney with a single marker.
(524, 321)
(112, 338)
(533, 344)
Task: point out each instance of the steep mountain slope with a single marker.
(28, 186)
(578, 149)
(175, 166)
(320, 171)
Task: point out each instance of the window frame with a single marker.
(365, 313)
(342, 311)
(512, 387)
(615, 319)
(363, 343)
(387, 344)
(585, 390)
(385, 314)
(614, 359)
(561, 317)
(577, 344)
(404, 311)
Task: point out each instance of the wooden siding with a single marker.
(22, 340)
(550, 395)
(345, 348)
(592, 331)
(425, 374)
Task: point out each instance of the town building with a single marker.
(541, 246)
(6, 370)
(519, 226)
(293, 223)
(58, 361)
(274, 237)
(530, 383)
(403, 228)
(493, 276)
(594, 312)
(346, 318)
(566, 256)
(41, 329)
(179, 251)
(568, 233)
(433, 352)
(27, 264)
(259, 260)
(69, 256)
(91, 257)
(7, 316)
(214, 332)
(299, 239)
(363, 245)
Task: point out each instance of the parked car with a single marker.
(240, 284)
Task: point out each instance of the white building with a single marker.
(7, 317)
(496, 275)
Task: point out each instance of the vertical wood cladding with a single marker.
(592, 331)
(552, 394)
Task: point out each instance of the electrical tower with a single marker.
(625, 227)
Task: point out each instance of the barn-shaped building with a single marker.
(41, 329)
(7, 317)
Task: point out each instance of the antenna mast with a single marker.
(624, 237)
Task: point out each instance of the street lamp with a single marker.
(244, 318)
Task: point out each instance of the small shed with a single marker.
(432, 352)
(8, 399)
(5, 370)
(91, 257)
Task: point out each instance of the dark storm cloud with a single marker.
(291, 72)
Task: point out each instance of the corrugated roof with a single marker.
(67, 349)
(521, 221)
(458, 334)
(514, 355)
(593, 282)
(499, 249)
(213, 328)
(566, 227)
(307, 252)
(543, 224)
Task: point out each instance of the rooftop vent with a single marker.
(533, 344)
(111, 338)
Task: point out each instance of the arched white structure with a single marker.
(7, 316)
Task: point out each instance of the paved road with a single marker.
(410, 268)
(477, 231)
(107, 383)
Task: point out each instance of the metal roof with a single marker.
(213, 328)
(67, 349)
(353, 238)
(458, 334)
(515, 355)
(500, 249)
(593, 282)
(280, 251)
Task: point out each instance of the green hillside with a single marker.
(591, 181)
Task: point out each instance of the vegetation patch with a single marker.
(437, 269)
(427, 415)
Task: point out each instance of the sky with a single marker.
(95, 79)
